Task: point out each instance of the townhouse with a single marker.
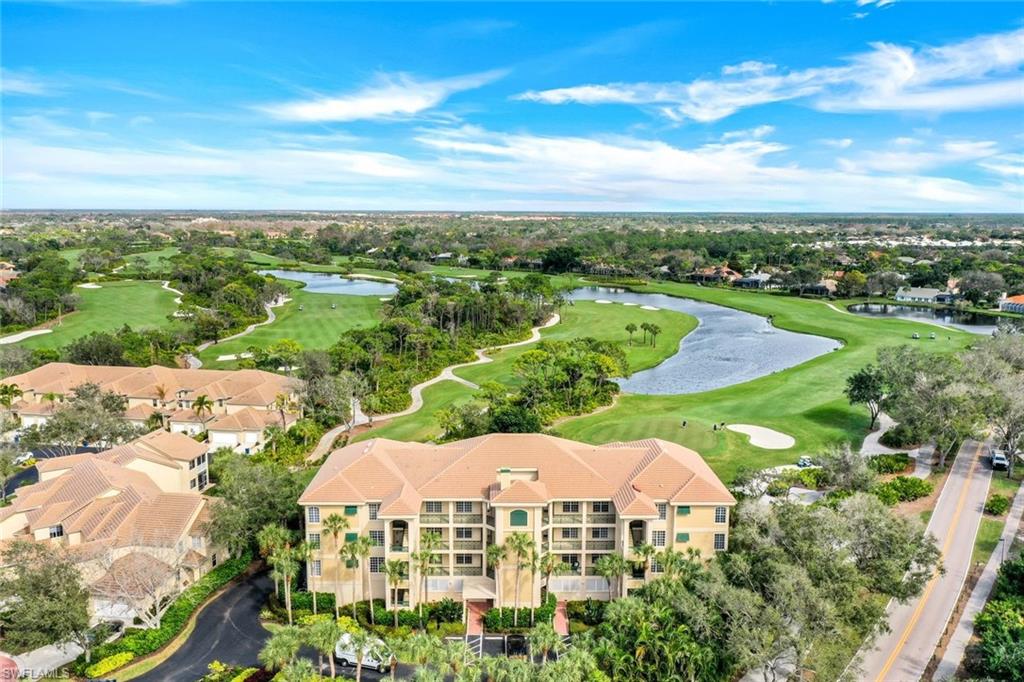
(241, 403)
(576, 501)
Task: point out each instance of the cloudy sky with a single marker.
(855, 105)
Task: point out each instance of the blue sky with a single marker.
(857, 105)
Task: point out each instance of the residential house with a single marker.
(715, 274)
(576, 501)
(917, 294)
(1012, 304)
(757, 280)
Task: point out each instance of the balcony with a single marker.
(467, 544)
(442, 545)
(399, 548)
(600, 544)
(469, 518)
(601, 518)
(468, 570)
(435, 518)
(567, 518)
(557, 545)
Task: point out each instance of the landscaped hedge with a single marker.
(444, 611)
(1000, 628)
(890, 464)
(588, 611)
(900, 436)
(109, 664)
(503, 619)
(902, 489)
(997, 505)
(141, 642)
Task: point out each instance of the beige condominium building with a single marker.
(242, 403)
(577, 501)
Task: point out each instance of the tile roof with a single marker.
(248, 419)
(400, 474)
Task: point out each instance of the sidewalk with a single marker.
(38, 663)
(561, 622)
(965, 627)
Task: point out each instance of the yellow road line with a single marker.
(935, 578)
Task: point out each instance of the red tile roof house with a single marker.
(1012, 304)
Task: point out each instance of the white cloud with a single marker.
(837, 142)
(749, 134)
(899, 160)
(22, 83)
(391, 96)
(97, 116)
(1011, 165)
(978, 73)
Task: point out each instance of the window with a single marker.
(600, 507)
(464, 560)
(351, 537)
(351, 510)
(658, 538)
(656, 567)
(377, 537)
(373, 508)
(662, 511)
(203, 479)
(572, 560)
(464, 507)
(720, 514)
(599, 533)
(314, 540)
(519, 518)
(571, 507)
(682, 537)
(683, 511)
(570, 533)
(432, 507)
(719, 542)
(376, 564)
(56, 531)
(314, 568)
(313, 514)
(192, 483)
(197, 542)
(463, 533)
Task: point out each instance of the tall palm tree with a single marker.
(424, 560)
(283, 404)
(395, 571)
(281, 648)
(644, 553)
(323, 635)
(304, 551)
(350, 554)
(612, 567)
(631, 329)
(200, 406)
(494, 555)
(335, 525)
(9, 394)
(363, 644)
(269, 539)
(550, 565)
(520, 544)
(533, 564)
(364, 546)
(284, 562)
(544, 639)
(654, 330)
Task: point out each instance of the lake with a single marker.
(976, 323)
(727, 347)
(322, 283)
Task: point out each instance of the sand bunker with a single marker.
(602, 301)
(762, 437)
(89, 285)
(228, 358)
(21, 336)
(628, 303)
(647, 307)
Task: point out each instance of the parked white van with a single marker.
(346, 655)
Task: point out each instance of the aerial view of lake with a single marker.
(323, 283)
(976, 323)
(727, 347)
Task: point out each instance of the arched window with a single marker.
(519, 518)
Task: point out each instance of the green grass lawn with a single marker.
(154, 259)
(1001, 485)
(316, 326)
(138, 304)
(988, 538)
(586, 318)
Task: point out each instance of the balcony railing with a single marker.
(467, 544)
(469, 518)
(399, 548)
(442, 544)
(601, 544)
(567, 518)
(566, 544)
(434, 518)
(600, 518)
(468, 570)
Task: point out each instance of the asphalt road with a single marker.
(903, 654)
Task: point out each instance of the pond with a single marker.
(976, 323)
(322, 283)
(727, 347)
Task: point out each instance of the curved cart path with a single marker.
(447, 374)
(195, 363)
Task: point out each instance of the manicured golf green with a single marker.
(585, 318)
(155, 260)
(316, 326)
(115, 304)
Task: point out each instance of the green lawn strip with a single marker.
(115, 304)
(316, 326)
(805, 401)
(1001, 485)
(71, 255)
(422, 425)
(988, 537)
(154, 259)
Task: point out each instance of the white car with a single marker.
(999, 460)
(345, 654)
(22, 458)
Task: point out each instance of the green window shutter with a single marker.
(683, 511)
(350, 563)
(682, 537)
(519, 518)
(351, 537)
(350, 510)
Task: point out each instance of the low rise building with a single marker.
(917, 294)
(575, 501)
(1012, 304)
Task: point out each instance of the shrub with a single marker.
(244, 675)
(446, 611)
(778, 488)
(588, 611)
(902, 489)
(503, 619)
(900, 436)
(890, 464)
(109, 664)
(997, 505)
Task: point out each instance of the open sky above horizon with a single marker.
(855, 105)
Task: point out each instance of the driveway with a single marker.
(903, 653)
(31, 475)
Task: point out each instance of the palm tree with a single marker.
(335, 525)
(270, 538)
(200, 406)
(424, 561)
(9, 393)
(654, 330)
(460, 660)
(612, 567)
(645, 326)
(283, 404)
(363, 644)
(550, 565)
(285, 565)
(644, 553)
(533, 563)
(350, 553)
(323, 635)
(495, 554)
(544, 639)
(299, 670)
(304, 551)
(395, 571)
(520, 545)
(631, 329)
(281, 648)
(363, 547)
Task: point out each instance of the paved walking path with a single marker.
(195, 363)
(475, 618)
(561, 622)
(44, 660)
(965, 627)
(902, 654)
(447, 374)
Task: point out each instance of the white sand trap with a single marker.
(89, 285)
(647, 307)
(228, 358)
(602, 301)
(630, 304)
(762, 437)
(385, 298)
(21, 336)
